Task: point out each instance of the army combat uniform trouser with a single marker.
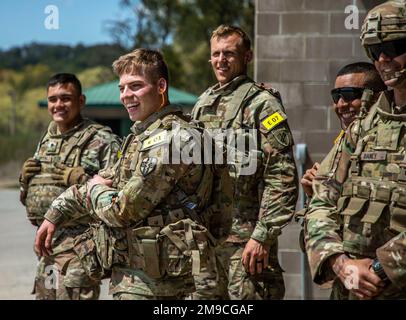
(234, 283)
(134, 296)
(52, 283)
(62, 276)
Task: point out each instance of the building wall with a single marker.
(299, 47)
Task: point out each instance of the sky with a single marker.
(80, 21)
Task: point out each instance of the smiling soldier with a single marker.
(356, 223)
(264, 201)
(156, 215)
(71, 151)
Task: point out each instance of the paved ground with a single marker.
(17, 259)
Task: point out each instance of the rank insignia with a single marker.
(53, 146)
(148, 165)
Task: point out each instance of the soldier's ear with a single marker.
(248, 56)
(162, 85)
(82, 101)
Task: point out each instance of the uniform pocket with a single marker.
(184, 248)
(398, 219)
(85, 249)
(352, 231)
(398, 212)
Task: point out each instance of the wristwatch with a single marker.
(378, 269)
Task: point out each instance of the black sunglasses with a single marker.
(391, 49)
(347, 93)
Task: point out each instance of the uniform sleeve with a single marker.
(392, 257)
(101, 152)
(109, 152)
(323, 225)
(72, 205)
(279, 176)
(151, 183)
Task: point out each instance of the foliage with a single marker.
(182, 30)
(22, 121)
(18, 147)
(96, 75)
(60, 58)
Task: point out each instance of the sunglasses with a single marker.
(347, 93)
(392, 49)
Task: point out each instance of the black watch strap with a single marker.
(379, 271)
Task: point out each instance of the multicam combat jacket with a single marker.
(89, 145)
(265, 199)
(153, 199)
(360, 209)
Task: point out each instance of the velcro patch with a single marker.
(155, 140)
(282, 138)
(54, 146)
(373, 156)
(271, 121)
(148, 165)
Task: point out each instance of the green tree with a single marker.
(22, 122)
(155, 22)
(181, 29)
(60, 58)
(96, 75)
(18, 103)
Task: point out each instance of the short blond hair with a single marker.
(226, 30)
(146, 62)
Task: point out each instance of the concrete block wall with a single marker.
(299, 47)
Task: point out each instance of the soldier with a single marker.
(156, 211)
(264, 201)
(351, 80)
(356, 230)
(71, 151)
(350, 84)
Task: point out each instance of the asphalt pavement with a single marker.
(17, 258)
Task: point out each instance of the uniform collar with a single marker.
(140, 126)
(230, 86)
(388, 109)
(386, 103)
(396, 109)
(55, 133)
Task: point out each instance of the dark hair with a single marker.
(146, 62)
(372, 78)
(226, 30)
(64, 78)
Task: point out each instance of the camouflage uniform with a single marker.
(264, 202)
(93, 147)
(359, 210)
(156, 211)
(326, 171)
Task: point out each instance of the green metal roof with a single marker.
(107, 94)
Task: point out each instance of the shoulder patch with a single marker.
(272, 120)
(148, 165)
(155, 140)
(282, 137)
